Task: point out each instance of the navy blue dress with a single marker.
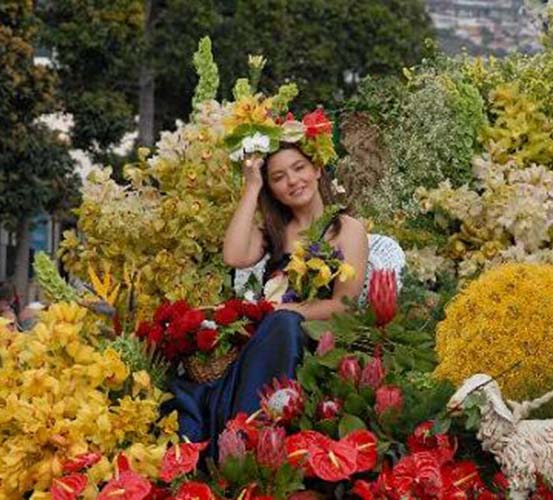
(275, 350)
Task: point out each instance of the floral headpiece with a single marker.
(253, 127)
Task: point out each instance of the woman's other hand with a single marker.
(251, 169)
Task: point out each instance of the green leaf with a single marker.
(349, 423)
(332, 359)
(355, 405)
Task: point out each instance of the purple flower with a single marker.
(289, 296)
(338, 254)
(314, 249)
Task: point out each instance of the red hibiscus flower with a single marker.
(365, 444)
(180, 459)
(334, 462)
(193, 490)
(68, 487)
(247, 427)
(127, 486)
(206, 339)
(81, 462)
(316, 123)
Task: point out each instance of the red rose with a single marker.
(155, 335)
(206, 339)
(163, 313)
(178, 308)
(316, 123)
(226, 315)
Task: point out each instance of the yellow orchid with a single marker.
(104, 287)
(346, 272)
(324, 275)
(250, 110)
(296, 269)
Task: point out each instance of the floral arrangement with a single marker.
(64, 397)
(313, 265)
(179, 330)
(501, 323)
(255, 126)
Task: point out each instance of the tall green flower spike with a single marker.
(241, 89)
(53, 285)
(286, 93)
(207, 70)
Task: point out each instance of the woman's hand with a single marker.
(252, 172)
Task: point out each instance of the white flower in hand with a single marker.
(275, 288)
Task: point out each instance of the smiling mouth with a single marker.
(297, 192)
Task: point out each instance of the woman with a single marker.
(291, 193)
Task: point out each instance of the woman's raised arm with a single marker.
(243, 244)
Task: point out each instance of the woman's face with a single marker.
(292, 178)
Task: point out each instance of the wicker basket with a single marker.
(201, 372)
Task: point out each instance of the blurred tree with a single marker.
(36, 172)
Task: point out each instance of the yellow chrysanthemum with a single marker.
(501, 321)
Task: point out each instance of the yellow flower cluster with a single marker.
(55, 404)
(250, 109)
(503, 321)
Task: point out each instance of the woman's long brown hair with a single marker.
(276, 216)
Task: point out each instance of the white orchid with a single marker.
(256, 143)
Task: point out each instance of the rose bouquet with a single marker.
(313, 266)
(203, 337)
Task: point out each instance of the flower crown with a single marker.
(253, 127)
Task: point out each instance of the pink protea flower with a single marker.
(349, 369)
(270, 450)
(383, 295)
(328, 408)
(231, 444)
(388, 398)
(373, 373)
(283, 400)
(326, 343)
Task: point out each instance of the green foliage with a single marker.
(51, 283)
(207, 71)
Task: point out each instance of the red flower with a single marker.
(143, 329)
(365, 444)
(326, 343)
(373, 373)
(283, 400)
(349, 369)
(383, 295)
(81, 461)
(193, 490)
(422, 439)
(388, 399)
(155, 335)
(68, 487)
(127, 486)
(251, 493)
(316, 123)
(328, 409)
(270, 452)
(226, 315)
(419, 475)
(206, 339)
(180, 459)
(247, 427)
(178, 308)
(157, 493)
(333, 462)
(298, 446)
(363, 490)
(461, 476)
(163, 313)
(231, 444)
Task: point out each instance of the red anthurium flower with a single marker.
(383, 295)
(363, 490)
(180, 459)
(462, 475)
(251, 492)
(193, 490)
(128, 486)
(365, 444)
(81, 462)
(334, 462)
(246, 426)
(418, 474)
(422, 439)
(298, 446)
(68, 487)
(316, 123)
(157, 493)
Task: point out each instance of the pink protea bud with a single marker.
(383, 295)
(388, 398)
(373, 373)
(270, 450)
(231, 444)
(283, 400)
(326, 343)
(328, 409)
(349, 369)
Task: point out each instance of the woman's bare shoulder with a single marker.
(351, 225)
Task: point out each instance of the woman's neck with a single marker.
(304, 216)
